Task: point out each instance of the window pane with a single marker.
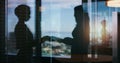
(57, 23)
(101, 27)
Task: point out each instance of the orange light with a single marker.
(113, 3)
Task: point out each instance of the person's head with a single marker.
(78, 13)
(22, 12)
(78, 10)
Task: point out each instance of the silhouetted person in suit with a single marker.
(24, 37)
(80, 40)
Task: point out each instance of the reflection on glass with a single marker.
(99, 19)
(100, 27)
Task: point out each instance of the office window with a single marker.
(57, 23)
(100, 27)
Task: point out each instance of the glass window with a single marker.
(70, 27)
(57, 23)
(102, 27)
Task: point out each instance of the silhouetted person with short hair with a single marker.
(24, 37)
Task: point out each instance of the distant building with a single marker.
(105, 40)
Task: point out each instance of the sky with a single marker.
(58, 15)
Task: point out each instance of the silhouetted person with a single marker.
(24, 37)
(80, 40)
(81, 31)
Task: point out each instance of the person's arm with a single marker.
(67, 40)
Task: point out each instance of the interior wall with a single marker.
(2, 30)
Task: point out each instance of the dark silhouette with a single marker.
(24, 37)
(80, 40)
(81, 31)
